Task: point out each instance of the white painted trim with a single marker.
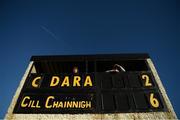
(9, 113)
(162, 89)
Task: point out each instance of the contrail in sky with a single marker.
(49, 32)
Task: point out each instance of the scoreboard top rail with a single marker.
(96, 56)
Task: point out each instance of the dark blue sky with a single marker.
(43, 27)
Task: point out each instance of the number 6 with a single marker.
(154, 102)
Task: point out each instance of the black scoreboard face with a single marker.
(90, 84)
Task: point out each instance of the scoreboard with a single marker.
(90, 84)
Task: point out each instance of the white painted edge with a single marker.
(162, 89)
(14, 100)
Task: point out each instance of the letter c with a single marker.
(34, 82)
(23, 104)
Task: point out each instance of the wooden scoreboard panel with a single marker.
(56, 88)
(112, 86)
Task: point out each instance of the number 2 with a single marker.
(147, 80)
